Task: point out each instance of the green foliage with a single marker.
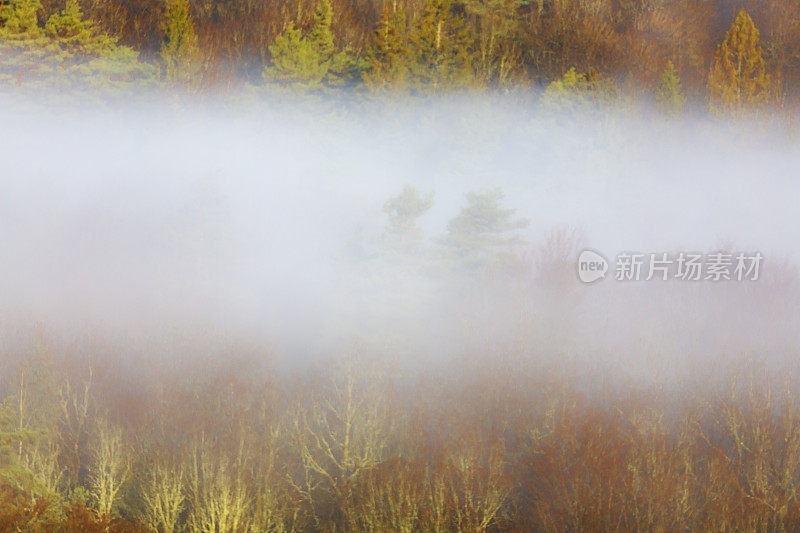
(23, 45)
(179, 51)
(20, 21)
(403, 210)
(435, 54)
(670, 98)
(295, 61)
(309, 63)
(738, 78)
(578, 92)
(483, 229)
(442, 49)
(75, 35)
(387, 62)
(321, 36)
(68, 52)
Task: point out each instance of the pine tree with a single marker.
(94, 58)
(24, 44)
(295, 61)
(321, 36)
(69, 52)
(404, 210)
(738, 78)
(20, 20)
(179, 50)
(76, 34)
(578, 93)
(442, 49)
(483, 228)
(387, 62)
(670, 98)
(304, 62)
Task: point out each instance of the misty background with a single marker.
(261, 224)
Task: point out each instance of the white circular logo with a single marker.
(591, 266)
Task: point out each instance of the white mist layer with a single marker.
(150, 220)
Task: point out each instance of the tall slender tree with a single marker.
(387, 62)
(180, 52)
(670, 98)
(442, 49)
(738, 80)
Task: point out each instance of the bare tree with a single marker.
(219, 499)
(109, 469)
(163, 497)
(344, 429)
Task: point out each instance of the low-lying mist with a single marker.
(362, 316)
(263, 225)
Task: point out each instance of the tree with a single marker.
(343, 431)
(23, 42)
(110, 468)
(75, 34)
(442, 49)
(295, 61)
(163, 497)
(321, 36)
(218, 494)
(387, 62)
(670, 98)
(403, 211)
(179, 51)
(482, 228)
(578, 92)
(498, 50)
(20, 21)
(68, 51)
(309, 62)
(738, 78)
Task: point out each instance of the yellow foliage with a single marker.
(738, 78)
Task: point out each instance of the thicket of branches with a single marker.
(482, 447)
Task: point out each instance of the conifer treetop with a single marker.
(738, 78)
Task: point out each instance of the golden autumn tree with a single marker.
(738, 78)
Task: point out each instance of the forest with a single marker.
(309, 265)
(681, 414)
(717, 55)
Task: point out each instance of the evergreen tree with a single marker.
(387, 62)
(23, 43)
(69, 52)
(442, 49)
(179, 51)
(310, 62)
(738, 78)
(670, 98)
(403, 211)
(295, 61)
(20, 19)
(483, 228)
(321, 36)
(75, 34)
(578, 92)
